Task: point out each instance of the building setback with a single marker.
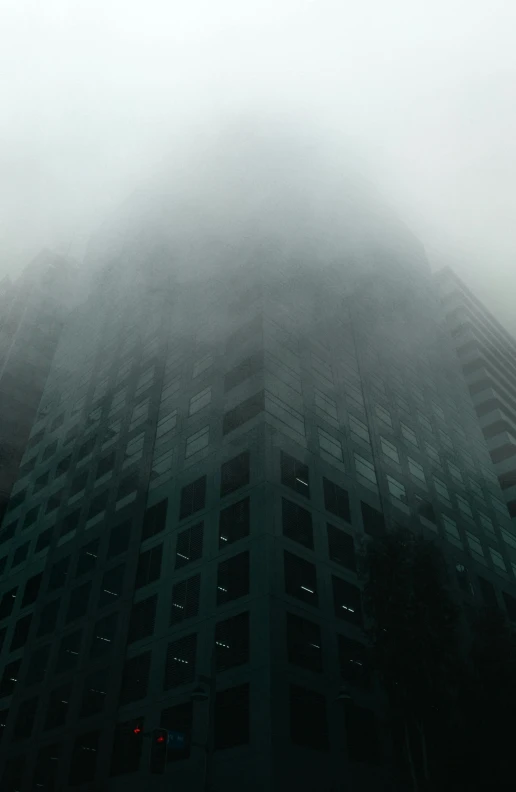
(208, 453)
(487, 353)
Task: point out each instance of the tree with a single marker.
(415, 637)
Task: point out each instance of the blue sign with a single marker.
(176, 740)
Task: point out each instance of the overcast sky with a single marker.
(95, 94)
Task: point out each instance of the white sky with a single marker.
(95, 93)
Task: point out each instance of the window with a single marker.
(154, 519)
(247, 368)
(497, 559)
(189, 545)
(233, 578)
(104, 635)
(445, 440)
(234, 522)
(341, 547)
(43, 540)
(40, 482)
(68, 652)
(424, 422)
(243, 412)
(98, 505)
(284, 412)
(149, 566)
(450, 527)
(232, 642)
(37, 665)
(135, 678)
(202, 365)
(25, 719)
(389, 450)
(200, 400)
(31, 590)
(78, 604)
(193, 498)
(455, 473)
(197, 441)
(294, 474)
(84, 759)
(58, 705)
(127, 486)
(297, 523)
(234, 474)
(185, 599)
(510, 604)
(31, 517)
(45, 770)
(464, 506)
(363, 742)
(326, 407)
(488, 592)
(178, 718)
(476, 489)
(374, 522)
(474, 543)
(408, 434)
(79, 483)
(94, 692)
(300, 578)
(231, 717)
(432, 453)
(383, 415)
(54, 502)
(365, 469)
(396, 489)
(21, 633)
(442, 490)
(353, 661)
(425, 509)
(127, 747)
(330, 445)
(143, 616)
(86, 448)
(180, 662)
(304, 643)
(20, 554)
(88, 558)
(59, 574)
(48, 617)
(359, 430)
(347, 601)
(7, 603)
(9, 678)
(308, 724)
(112, 586)
(336, 500)
(119, 539)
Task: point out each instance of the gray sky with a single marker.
(97, 93)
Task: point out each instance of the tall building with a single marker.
(32, 309)
(487, 353)
(180, 547)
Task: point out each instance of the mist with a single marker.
(102, 100)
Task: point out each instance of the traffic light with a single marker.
(158, 754)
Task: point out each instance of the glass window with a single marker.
(442, 489)
(203, 364)
(416, 469)
(200, 400)
(450, 526)
(325, 406)
(464, 506)
(396, 488)
(358, 429)
(497, 559)
(383, 415)
(331, 445)
(408, 434)
(365, 468)
(424, 422)
(389, 450)
(474, 543)
(197, 441)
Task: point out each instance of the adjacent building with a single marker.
(211, 446)
(487, 353)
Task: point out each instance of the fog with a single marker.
(98, 98)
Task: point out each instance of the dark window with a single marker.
(353, 660)
(98, 505)
(135, 678)
(143, 617)
(232, 642)
(510, 604)
(25, 718)
(234, 474)
(362, 735)
(488, 592)
(45, 771)
(112, 586)
(70, 522)
(193, 498)
(304, 643)
(105, 465)
(347, 602)
(49, 451)
(59, 574)
(424, 509)
(128, 485)
(88, 558)
(43, 540)
(294, 474)
(94, 692)
(16, 500)
(341, 547)
(104, 635)
(37, 665)
(155, 519)
(180, 664)
(54, 502)
(13, 774)
(189, 545)
(336, 500)
(79, 600)
(57, 422)
(185, 599)
(3, 564)
(127, 747)
(48, 617)
(234, 522)
(300, 579)
(232, 717)
(233, 578)
(40, 482)
(252, 329)
(33, 441)
(20, 554)
(243, 412)
(86, 448)
(178, 718)
(63, 466)
(84, 759)
(79, 483)
(374, 523)
(9, 678)
(31, 517)
(69, 652)
(71, 435)
(7, 603)
(27, 468)
(308, 725)
(149, 566)
(247, 368)
(7, 533)
(3, 633)
(21, 632)
(297, 523)
(119, 539)
(57, 708)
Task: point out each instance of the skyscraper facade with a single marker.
(212, 446)
(487, 353)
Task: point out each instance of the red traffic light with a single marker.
(137, 730)
(160, 738)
